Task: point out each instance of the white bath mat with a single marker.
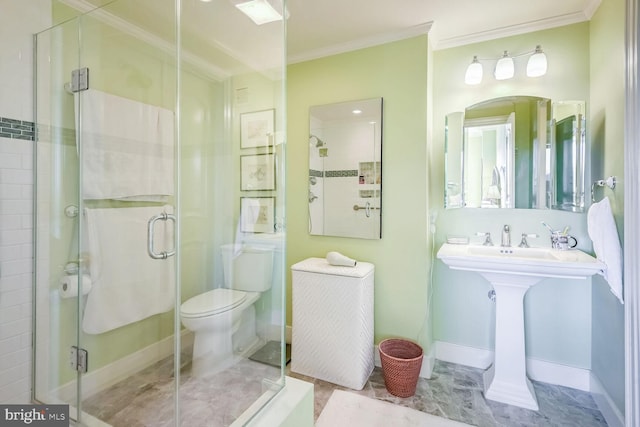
(346, 409)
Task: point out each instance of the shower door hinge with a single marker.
(80, 79)
(79, 359)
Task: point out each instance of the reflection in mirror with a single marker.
(345, 169)
(516, 152)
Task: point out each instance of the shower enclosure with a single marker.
(151, 117)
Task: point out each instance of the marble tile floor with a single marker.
(455, 392)
(147, 398)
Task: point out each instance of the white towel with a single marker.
(127, 284)
(606, 243)
(127, 148)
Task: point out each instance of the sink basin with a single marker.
(511, 272)
(538, 262)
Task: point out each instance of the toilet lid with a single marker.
(212, 302)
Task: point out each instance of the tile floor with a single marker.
(455, 392)
(146, 398)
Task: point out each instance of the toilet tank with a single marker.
(247, 267)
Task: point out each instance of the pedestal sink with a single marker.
(511, 272)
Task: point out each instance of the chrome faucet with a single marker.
(524, 243)
(506, 236)
(487, 238)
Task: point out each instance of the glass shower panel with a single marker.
(57, 216)
(232, 204)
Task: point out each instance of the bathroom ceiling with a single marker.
(218, 31)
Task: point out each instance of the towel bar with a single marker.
(356, 207)
(609, 182)
(367, 209)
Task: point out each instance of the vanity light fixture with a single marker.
(260, 11)
(505, 67)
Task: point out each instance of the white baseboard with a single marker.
(555, 373)
(609, 410)
(428, 362)
(538, 370)
(102, 378)
(463, 355)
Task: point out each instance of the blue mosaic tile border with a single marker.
(16, 129)
(333, 174)
(341, 174)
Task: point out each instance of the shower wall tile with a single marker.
(16, 268)
(18, 22)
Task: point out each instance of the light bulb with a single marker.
(473, 76)
(504, 67)
(537, 64)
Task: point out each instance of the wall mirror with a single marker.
(516, 152)
(345, 169)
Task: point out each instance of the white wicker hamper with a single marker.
(332, 324)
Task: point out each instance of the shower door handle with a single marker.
(150, 233)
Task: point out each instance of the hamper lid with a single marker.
(321, 266)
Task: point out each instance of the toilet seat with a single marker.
(212, 302)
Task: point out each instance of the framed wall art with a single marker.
(257, 129)
(257, 172)
(257, 214)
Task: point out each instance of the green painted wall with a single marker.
(398, 73)
(557, 313)
(607, 136)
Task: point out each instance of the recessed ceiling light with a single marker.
(357, 111)
(260, 11)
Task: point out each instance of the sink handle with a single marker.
(487, 236)
(523, 242)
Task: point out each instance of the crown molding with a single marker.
(591, 8)
(362, 43)
(514, 30)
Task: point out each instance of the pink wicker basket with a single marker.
(401, 364)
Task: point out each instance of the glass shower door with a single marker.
(106, 280)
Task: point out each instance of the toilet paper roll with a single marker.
(69, 285)
(336, 258)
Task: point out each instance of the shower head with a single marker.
(314, 140)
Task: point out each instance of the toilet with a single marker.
(223, 320)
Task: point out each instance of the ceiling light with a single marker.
(357, 111)
(473, 76)
(504, 67)
(537, 64)
(260, 11)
